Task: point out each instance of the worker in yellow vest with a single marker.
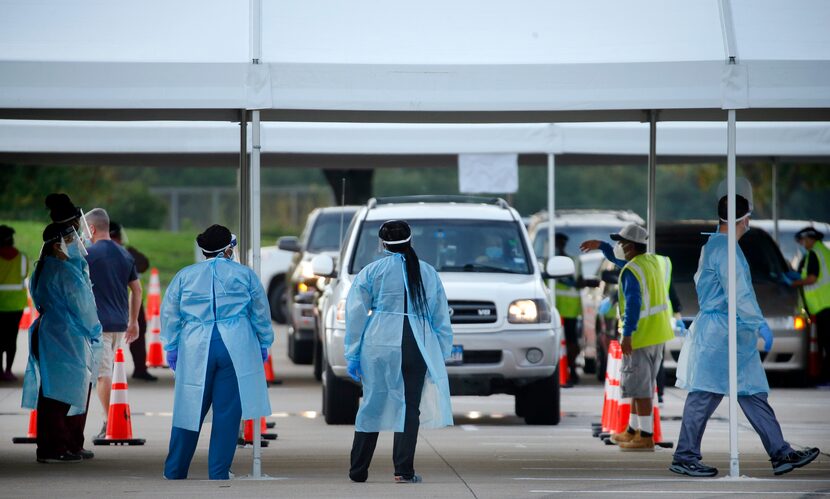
(815, 280)
(646, 325)
(569, 306)
(14, 267)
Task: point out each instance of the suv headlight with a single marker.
(340, 315)
(528, 312)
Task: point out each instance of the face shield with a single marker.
(72, 244)
(231, 245)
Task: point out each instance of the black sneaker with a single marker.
(696, 469)
(63, 458)
(793, 460)
(145, 376)
(85, 454)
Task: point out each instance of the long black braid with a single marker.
(398, 230)
(51, 233)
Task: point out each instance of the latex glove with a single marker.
(172, 358)
(264, 352)
(793, 275)
(785, 279)
(604, 305)
(766, 334)
(680, 329)
(353, 368)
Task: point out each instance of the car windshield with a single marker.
(454, 246)
(764, 258)
(576, 234)
(325, 235)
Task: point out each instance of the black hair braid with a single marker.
(50, 233)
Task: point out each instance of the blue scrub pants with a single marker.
(701, 405)
(221, 390)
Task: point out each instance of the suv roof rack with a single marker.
(501, 203)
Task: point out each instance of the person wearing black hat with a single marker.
(815, 282)
(14, 267)
(138, 348)
(216, 329)
(569, 306)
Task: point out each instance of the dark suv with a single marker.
(322, 235)
(682, 243)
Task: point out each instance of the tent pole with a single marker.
(244, 185)
(255, 253)
(551, 225)
(775, 213)
(651, 209)
(732, 242)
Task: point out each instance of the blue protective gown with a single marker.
(244, 322)
(380, 289)
(69, 337)
(704, 364)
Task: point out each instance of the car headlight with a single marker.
(528, 312)
(340, 316)
(305, 270)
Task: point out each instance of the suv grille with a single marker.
(472, 312)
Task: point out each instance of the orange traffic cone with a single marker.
(31, 435)
(813, 356)
(119, 424)
(154, 294)
(155, 356)
(658, 428)
(564, 371)
(248, 433)
(29, 314)
(608, 395)
(269, 370)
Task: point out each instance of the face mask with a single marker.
(494, 252)
(619, 252)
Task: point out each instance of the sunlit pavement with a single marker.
(489, 453)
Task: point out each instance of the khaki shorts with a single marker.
(110, 342)
(638, 377)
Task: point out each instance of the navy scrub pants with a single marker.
(701, 405)
(221, 390)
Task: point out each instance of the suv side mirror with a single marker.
(559, 266)
(323, 266)
(610, 276)
(289, 243)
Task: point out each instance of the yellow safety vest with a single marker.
(653, 273)
(12, 287)
(817, 295)
(568, 300)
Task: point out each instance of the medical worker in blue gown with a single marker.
(64, 348)
(216, 329)
(398, 336)
(703, 366)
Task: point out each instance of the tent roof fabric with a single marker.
(374, 145)
(460, 61)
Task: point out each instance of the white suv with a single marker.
(505, 333)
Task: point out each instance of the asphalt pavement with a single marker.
(489, 453)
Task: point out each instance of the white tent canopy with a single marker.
(347, 145)
(462, 61)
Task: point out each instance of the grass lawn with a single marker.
(167, 251)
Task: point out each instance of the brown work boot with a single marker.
(624, 436)
(639, 443)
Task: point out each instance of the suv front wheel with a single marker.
(340, 399)
(538, 402)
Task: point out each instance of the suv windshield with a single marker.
(454, 246)
(325, 235)
(576, 235)
(765, 260)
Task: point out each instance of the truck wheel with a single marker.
(317, 361)
(278, 302)
(340, 399)
(540, 401)
(300, 352)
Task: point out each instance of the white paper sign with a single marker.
(494, 173)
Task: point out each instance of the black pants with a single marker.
(571, 345)
(9, 323)
(57, 433)
(138, 348)
(823, 333)
(403, 452)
